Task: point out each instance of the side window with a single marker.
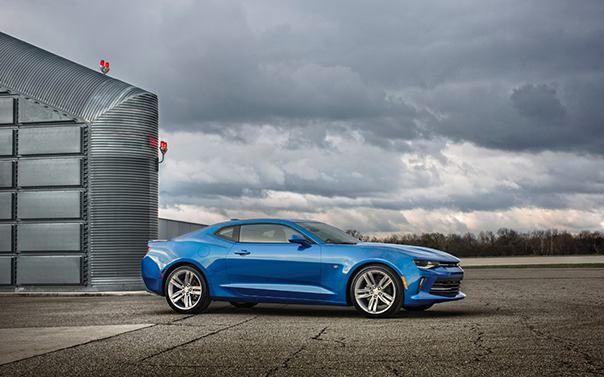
(228, 233)
(266, 233)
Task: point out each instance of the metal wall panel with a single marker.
(29, 112)
(48, 140)
(6, 110)
(123, 191)
(49, 204)
(6, 238)
(49, 172)
(49, 237)
(54, 270)
(6, 205)
(6, 173)
(6, 142)
(6, 270)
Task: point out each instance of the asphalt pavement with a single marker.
(514, 322)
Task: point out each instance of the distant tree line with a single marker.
(504, 242)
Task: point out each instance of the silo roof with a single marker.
(58, 82)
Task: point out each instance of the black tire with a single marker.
(397, 291)
(243, 305)
(417, 308)
(199, 302)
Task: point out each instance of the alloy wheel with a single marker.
(374, 291)
(185, 289)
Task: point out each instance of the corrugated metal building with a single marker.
(78, 173)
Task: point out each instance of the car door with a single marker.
(264, 263)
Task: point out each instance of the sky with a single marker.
(380, 116)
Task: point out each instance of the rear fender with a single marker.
(161, 258)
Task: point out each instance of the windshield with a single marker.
(328, 233)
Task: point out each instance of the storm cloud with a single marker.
(383, 116)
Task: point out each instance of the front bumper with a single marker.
(435, 285)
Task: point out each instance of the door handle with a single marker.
(242, 252)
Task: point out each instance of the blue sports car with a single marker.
(299, 262)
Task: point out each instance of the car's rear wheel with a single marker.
(420, 308)
(376, 291)
(186, 290)
(243, 305)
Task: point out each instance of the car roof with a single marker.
(261, 220)
(233, 222)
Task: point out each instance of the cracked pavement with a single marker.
(514, 322)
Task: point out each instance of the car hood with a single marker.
(416, 252)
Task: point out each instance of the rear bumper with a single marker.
(152, 275)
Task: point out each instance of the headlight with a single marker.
(426, 264)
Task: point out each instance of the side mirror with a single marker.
(295, 238)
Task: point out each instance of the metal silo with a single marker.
(78, 173)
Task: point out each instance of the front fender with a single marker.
(402, 266)
(341, 262)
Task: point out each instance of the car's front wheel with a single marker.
(376, 291)
(186, 290)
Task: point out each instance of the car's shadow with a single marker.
(343, 312)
